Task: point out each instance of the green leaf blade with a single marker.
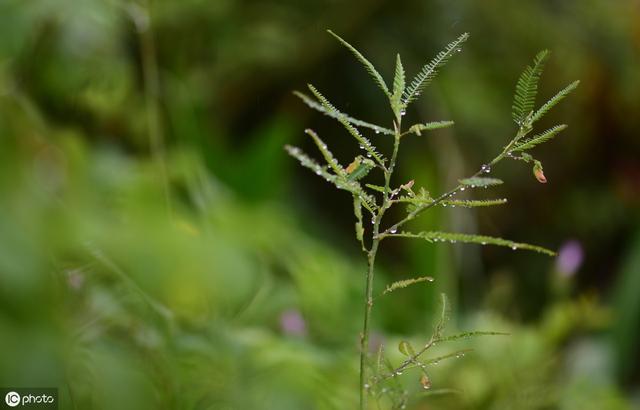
(366, 63)
(363, 141)
(328, 156)
(540, 138)
(430, 70)
(434, 125)
(554, 100)
(480, 182)
(336, 114)
(527, 88)
(452, 237)
(401, 284)
(398, 88)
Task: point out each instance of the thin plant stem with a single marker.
(151, 77)
(371, 260)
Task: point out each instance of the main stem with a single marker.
(364, 346)
(371, 261)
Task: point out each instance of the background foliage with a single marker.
(245, 291)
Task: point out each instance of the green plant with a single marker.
(377, 199)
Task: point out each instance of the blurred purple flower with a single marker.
(570, 257)
(75, 278)
(292, 323)
(375, 341)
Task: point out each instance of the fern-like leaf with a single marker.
(362, 140)
(337, 114)
(527, 88)
(328, 156)
(401, 284)
(429, 71)
(307, 162)
(398, 88)
(437, 236)
(468, 335)
(418, 128)
(341, 183)
(540, 138)
(480, 182)
(366, 63)
(473, 203)
(463, 203)
(554, 100)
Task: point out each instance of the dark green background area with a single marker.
(123, 301)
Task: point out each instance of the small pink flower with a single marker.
(292, 323)
(570, 257)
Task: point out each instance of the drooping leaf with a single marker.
(437, 236)
(340, 182)
(527, 88)
(480, 182)
(398, 88)
(540, 138)
(307, 162)
(337, 114)
(406, 349)
(418, 128)
(366, 63)
(328, 156)
(553, 101)
(429, 70)
(362, 140)
(405, 283)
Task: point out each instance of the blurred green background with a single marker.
(158, 248)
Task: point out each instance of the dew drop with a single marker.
(393, 230)
(486, 168)
(377, 131)
(366, 386)
(403, 113)
(361, 146)
(462, 188)
(514, 247)
(398, 373)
